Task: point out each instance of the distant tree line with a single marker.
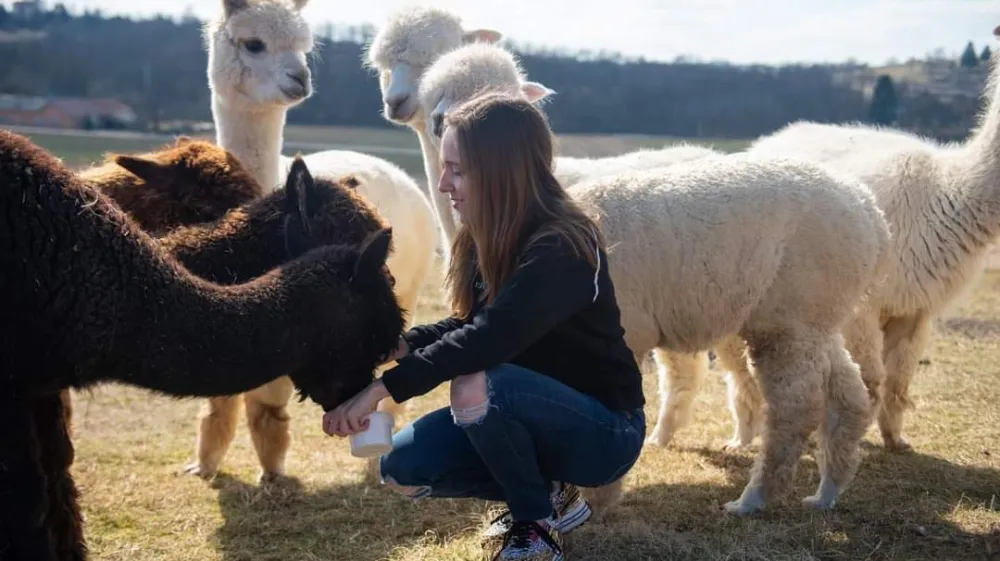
(159, 67)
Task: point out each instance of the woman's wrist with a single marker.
(378, 390)
(402, 349)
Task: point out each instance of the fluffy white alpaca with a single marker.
(777, 252)
(404, 47)
(943, 206)
(411, 39)
(571, 170)
(257, 71)
(774, 252)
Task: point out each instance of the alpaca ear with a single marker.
(373, 254)
(230, 7)
(297, 188)
(535, 91)
(299, 4)
(482, 35)
(183, 139)
(148, 170)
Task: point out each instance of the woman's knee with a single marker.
(470, 398)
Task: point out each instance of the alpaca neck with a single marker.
(207, 341)
(979, 164)
(432, 169)
(254, 137)
(232, 250)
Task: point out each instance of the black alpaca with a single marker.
(89, 297)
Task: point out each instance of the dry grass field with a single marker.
(940, 502)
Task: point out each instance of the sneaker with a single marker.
(529, 541)
(571, 511)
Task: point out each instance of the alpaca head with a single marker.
(461, 74)
(345, 363)
(257, 54)
(402, 50)
(319, 212)
(191, 182)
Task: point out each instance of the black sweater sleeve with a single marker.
(550, 285)
(422, 335)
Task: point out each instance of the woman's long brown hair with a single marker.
(505, 149)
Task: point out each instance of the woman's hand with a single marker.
(402, 350)
(350, 417)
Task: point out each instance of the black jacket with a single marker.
(553, 316)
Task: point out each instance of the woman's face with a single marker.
(451, 173)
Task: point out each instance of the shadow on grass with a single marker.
(900, 507)
(358, 522)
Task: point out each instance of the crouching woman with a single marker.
(545, 394)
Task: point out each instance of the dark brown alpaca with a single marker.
(187, 182)
(246, 242)
(90, 297)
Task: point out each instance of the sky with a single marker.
(739, 31)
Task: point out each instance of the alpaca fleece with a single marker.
(90, 297)
(943, 204)
(191, 182)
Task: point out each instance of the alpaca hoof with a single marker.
(741, 508)
(816, 502)
(654, 441)
(659, 438)
(898, 444)
(269, 476)
(199, 470)
(750, 502)
(735, 445)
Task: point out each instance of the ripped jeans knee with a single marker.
(470, 398)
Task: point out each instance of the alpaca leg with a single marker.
(24, 533)
(601, 499)
(746, 404)
(848, 414)
(268, 419)
(215, 434)
(905, 339)
(56, 456)
(863, 340)
(679, 377)
(790, 372)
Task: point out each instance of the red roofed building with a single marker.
(65, 112)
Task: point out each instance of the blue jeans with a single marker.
(535, 430)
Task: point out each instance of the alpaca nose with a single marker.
(438, 119)
(301, 78)
(394, 103)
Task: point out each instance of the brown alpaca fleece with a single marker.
(90, 297)
(259, 235)
(189, 182)
(246, 242)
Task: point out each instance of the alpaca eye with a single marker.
(254, 46)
